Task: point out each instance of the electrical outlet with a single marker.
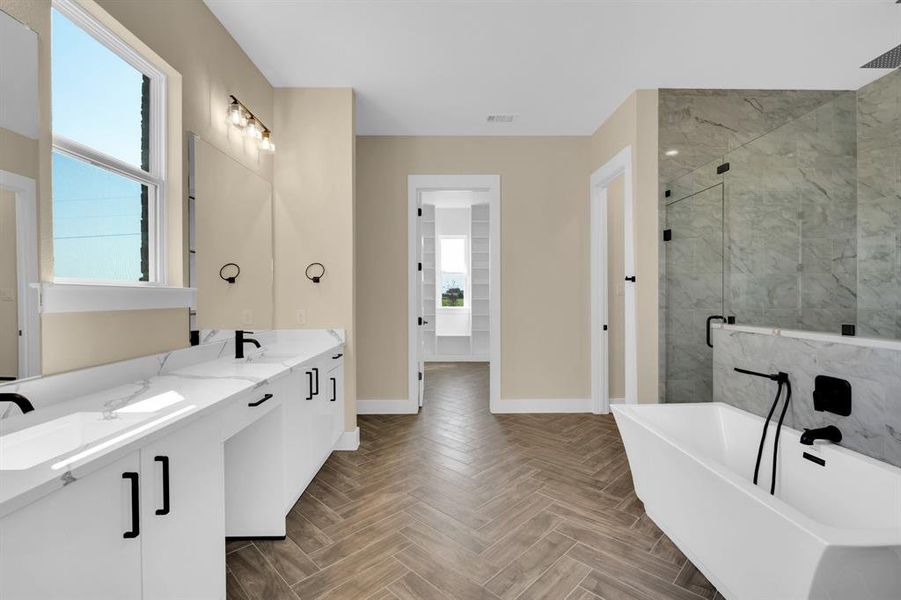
(301, 316)
(247, 316)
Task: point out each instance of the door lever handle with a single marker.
(631, 278)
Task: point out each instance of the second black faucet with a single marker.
(240, 340)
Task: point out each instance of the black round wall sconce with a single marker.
(315, 272)
(229, 268)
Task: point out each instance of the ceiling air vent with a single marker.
(501, 118)
(889, 60)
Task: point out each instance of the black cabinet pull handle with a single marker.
(337, 356)
(135, 506)
(260, 401)
(310, 384)
(334, 389)
(316, 370)
(165, 462)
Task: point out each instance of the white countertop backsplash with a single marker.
(204, 376)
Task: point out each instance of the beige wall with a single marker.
(544, 261)
(71, 341)
(635, 123)
(9, 282)
(314, 216)
(616, 300)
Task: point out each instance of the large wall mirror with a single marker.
(20, 334)
(782, 209)
(230, 242)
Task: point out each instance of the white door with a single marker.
(72, 543)
(183, 515)
(419, 282)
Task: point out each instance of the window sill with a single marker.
(85, 297)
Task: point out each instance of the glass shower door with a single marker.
(693, 287)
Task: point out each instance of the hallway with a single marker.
(459, 503)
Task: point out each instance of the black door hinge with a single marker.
(418, 212)
(667, 193)
(605, 327)
(420, 376)
(420, 321)
(667, 235)
(722, 168)
(420, 266)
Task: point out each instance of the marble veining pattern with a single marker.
(204, 376)
(874, 426)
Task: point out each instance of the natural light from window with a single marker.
(105, 191)
(453, 271)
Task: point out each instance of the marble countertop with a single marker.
(199, 380)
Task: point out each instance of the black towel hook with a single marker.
(315, 278)
(229, 278)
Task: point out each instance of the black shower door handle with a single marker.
(709, 319)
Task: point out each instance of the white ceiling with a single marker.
(440, 67)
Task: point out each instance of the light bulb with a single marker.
(235, 113)
(266, 143)
(253, 130)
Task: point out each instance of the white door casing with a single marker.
(618, 166)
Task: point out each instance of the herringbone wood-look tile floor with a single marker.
(458, 503)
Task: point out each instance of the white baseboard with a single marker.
(617, 400)
(447, 359)
(386, 407)
(541, 405)
(349, 440)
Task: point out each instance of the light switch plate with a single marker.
(247, 316)
(301, 316)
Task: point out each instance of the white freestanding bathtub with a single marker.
(832, 531)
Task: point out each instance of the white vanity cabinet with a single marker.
(112, 534)
(335, 383)
(70, 544)
(298, 435)
(183, 514)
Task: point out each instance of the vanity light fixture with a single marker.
(240, 116)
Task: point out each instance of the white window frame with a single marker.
(155, 178)
(467, 304)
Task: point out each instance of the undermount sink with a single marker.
(31, 446)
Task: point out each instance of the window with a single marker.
(108, 156)
(454, 271)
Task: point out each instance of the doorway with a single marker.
(454, 278)
(605, 187)
(20, 349)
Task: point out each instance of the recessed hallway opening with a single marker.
(456, 502)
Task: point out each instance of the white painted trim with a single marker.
(816, 336)
(388, 407)
(619, 165)
(27, 275)
(617, 401)
(85, 16)
(543, 405)
(76, 297)
(349, 441)
(490, 185)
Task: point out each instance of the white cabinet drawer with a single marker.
(246, 409)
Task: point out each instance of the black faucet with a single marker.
(240, 340)
(19, 400)
(829, 433)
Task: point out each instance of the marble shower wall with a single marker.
(773, 239)
(874, 426)
(879, 207)
(791, 223)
